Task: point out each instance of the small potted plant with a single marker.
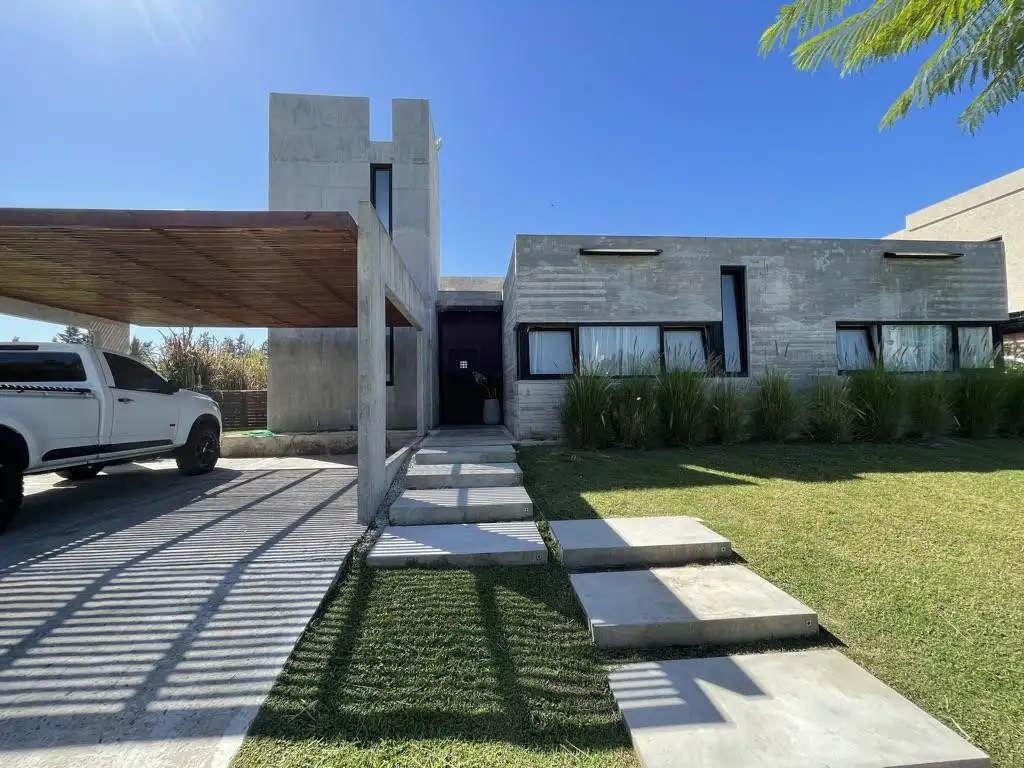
(492, 406)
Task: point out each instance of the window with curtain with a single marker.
(918, 347)
(853, 348)
(685, 350)
(977, 348)
(550, 352)
(620, 349)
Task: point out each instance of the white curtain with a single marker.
(551, 352)
(976, 347)
(620, 349)
(853, 349)
(918, 347)
(685, 350)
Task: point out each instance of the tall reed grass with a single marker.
(879, 397)
(585, 410)
(830, 412)
(929, 398)
(777, 408)
(682, 401)
(726, 412)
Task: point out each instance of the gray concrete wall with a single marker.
(797, 290)
(995, 209)
(509, 348)
(320, 157)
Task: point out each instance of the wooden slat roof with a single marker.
(275, 269)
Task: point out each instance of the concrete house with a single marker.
(804, 306)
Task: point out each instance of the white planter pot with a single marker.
(492, 411)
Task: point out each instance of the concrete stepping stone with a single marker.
(698, 605)
(467, 436)
(470, 454)
(809, 708)
(494, 475)
(642, 541)
(459, 546)
(461, 505)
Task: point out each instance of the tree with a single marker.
(15, 339)
(73, 335)
(980, 47)
(145, 351)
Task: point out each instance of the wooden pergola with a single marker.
(265, 269)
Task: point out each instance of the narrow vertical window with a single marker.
(734, 320)
(389, 355)
(380, 193)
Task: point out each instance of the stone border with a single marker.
(306, 444)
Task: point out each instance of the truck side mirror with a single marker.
(172, 387)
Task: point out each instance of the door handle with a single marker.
(125, 400)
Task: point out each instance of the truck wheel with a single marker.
(12, 489)
(88, 472)
(199, 455)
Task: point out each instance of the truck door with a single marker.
(145, 414)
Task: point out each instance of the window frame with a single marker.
(523, 343)
(874, 342)
(374, 167)
(705, 339)
(878, 346)
(739, 274)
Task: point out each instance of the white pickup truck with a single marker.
(75, 409)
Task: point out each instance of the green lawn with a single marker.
(913, 555)
(490, 667)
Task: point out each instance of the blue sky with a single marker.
(653, 117)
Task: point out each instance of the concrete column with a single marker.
(421, 382)
(372, 379)
(112, 335)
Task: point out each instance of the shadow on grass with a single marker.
(557, 477)
(495, 654)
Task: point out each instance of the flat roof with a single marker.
(273, 269)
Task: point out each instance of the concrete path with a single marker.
(461, 515)
(815, 709)
(698, 605)
(636, 541)
(144, 616)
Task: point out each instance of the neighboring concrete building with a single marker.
(986, 212)
(806, 307)
(992, 210)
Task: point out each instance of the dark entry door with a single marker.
(469, 341)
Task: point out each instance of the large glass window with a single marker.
(31, 367)
(917, 347)
(131, 374)
(550, 352)
(734, 321)
(977, 349)
(620, 350)
(380, 193)
(685, 349)
(854, 349)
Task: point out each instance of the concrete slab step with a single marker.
(810, 708)
(470, 454)
(461, 505)
(458, 546)
(492, 475)
(467, 436)
(640, 541)
(713, 604)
